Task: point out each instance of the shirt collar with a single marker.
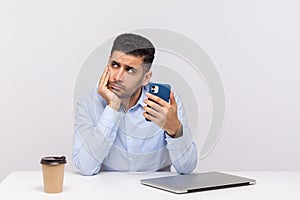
(143, 96)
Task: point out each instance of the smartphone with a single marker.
(161, 90)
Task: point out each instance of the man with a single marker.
(111, 130)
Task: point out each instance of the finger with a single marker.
(172, 99)
(150, 117)
(103, 77)
(152, 104)
(106, 79)
(157, 100)
(151, 111)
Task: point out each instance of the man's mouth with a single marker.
(115, 86)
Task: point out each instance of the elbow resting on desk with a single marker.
(187, 169)
(187, 162)
(86, 170)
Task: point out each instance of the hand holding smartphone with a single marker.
(160, 90)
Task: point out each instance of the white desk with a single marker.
(115, 185)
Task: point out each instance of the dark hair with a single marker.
(135, 45)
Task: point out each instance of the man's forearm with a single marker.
(183, 152)
(93, 140)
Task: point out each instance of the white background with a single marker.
(254, 44)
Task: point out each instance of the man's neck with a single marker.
(130, 102)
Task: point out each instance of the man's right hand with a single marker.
(111, 98)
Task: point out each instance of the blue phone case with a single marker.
(160, 90)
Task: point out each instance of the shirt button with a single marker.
(130, 159)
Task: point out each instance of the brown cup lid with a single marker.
(53, 160)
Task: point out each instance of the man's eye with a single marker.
(114, 65)
(130, 70)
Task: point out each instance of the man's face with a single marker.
(127, 74)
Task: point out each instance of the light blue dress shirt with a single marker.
(110, 140)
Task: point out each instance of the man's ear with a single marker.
(147, 77)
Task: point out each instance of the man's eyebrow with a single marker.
(127, 66)
(115, 63)
(119, 64)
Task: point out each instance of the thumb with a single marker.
(172, 99)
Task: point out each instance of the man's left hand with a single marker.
(162, 113)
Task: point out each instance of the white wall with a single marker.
(254, 44)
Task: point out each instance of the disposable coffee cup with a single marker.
(53, 168)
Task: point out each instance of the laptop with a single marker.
(197, 182)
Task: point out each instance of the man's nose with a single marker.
(119, 76)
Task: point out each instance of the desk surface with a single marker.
(123, 185)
